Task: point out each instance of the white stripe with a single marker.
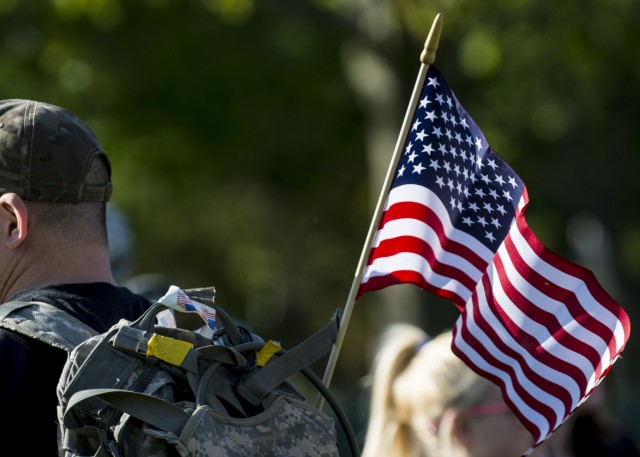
(531, 327)
(420, 230)
(412, 262)
(536, 418)
(545, 371)
(539, 331)
(583, 296)
(414, 193)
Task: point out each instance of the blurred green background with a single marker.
(250, 139)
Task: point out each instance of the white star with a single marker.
(482, 221)
(487, 207)
(494, 194)
(434, 164)
(499, 180)
(433, 82)
(501, 210)
(412, 157)
(424, 102)
(507, 195)
(478, 143)
(495, 222)
(437, 132)
(420, 135)
(469, 140)
(418, 168)
(453, 203)
(447, 166)
(489, 236)
(416, 124)
(450, 184)
(485, 178)
(407, 150)
(463, 121)
(440, 182)
(430, 116)
(492, 164)
(439, 99)
(467, 221)
(512, 181)
(473, 206)
(401, 171)
(428, 149)
(479, 192)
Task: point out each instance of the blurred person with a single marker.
(426, 402)
(55, 181)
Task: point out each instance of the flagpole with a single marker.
(427, 57)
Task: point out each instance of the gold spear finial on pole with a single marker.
(428, 55)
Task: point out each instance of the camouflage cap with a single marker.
(46, 152)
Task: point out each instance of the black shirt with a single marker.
(29, 369)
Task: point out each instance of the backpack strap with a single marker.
(289, 362)
(44, 322)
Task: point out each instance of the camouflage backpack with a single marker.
(165, 385)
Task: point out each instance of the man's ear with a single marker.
(13, 220)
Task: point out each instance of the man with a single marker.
(55, 180)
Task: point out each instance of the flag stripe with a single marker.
(536, 328)
(558, 309)
(534, 376)
(434, 228)
(530, 417)
(608, 315)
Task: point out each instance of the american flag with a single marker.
(188, 305)
(539, 326)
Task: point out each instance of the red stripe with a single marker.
(410, 244)
(548, 385)
(409, 277)
(591, 283)
(536, 405)
(422, 213)
(565, 296)
(549, 321)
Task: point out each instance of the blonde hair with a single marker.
(413, 382)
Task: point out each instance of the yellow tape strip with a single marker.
(267, 351)
(168, 349)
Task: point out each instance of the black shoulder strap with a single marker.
(44, 322)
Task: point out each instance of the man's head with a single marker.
(55, 180)
(46, 154)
